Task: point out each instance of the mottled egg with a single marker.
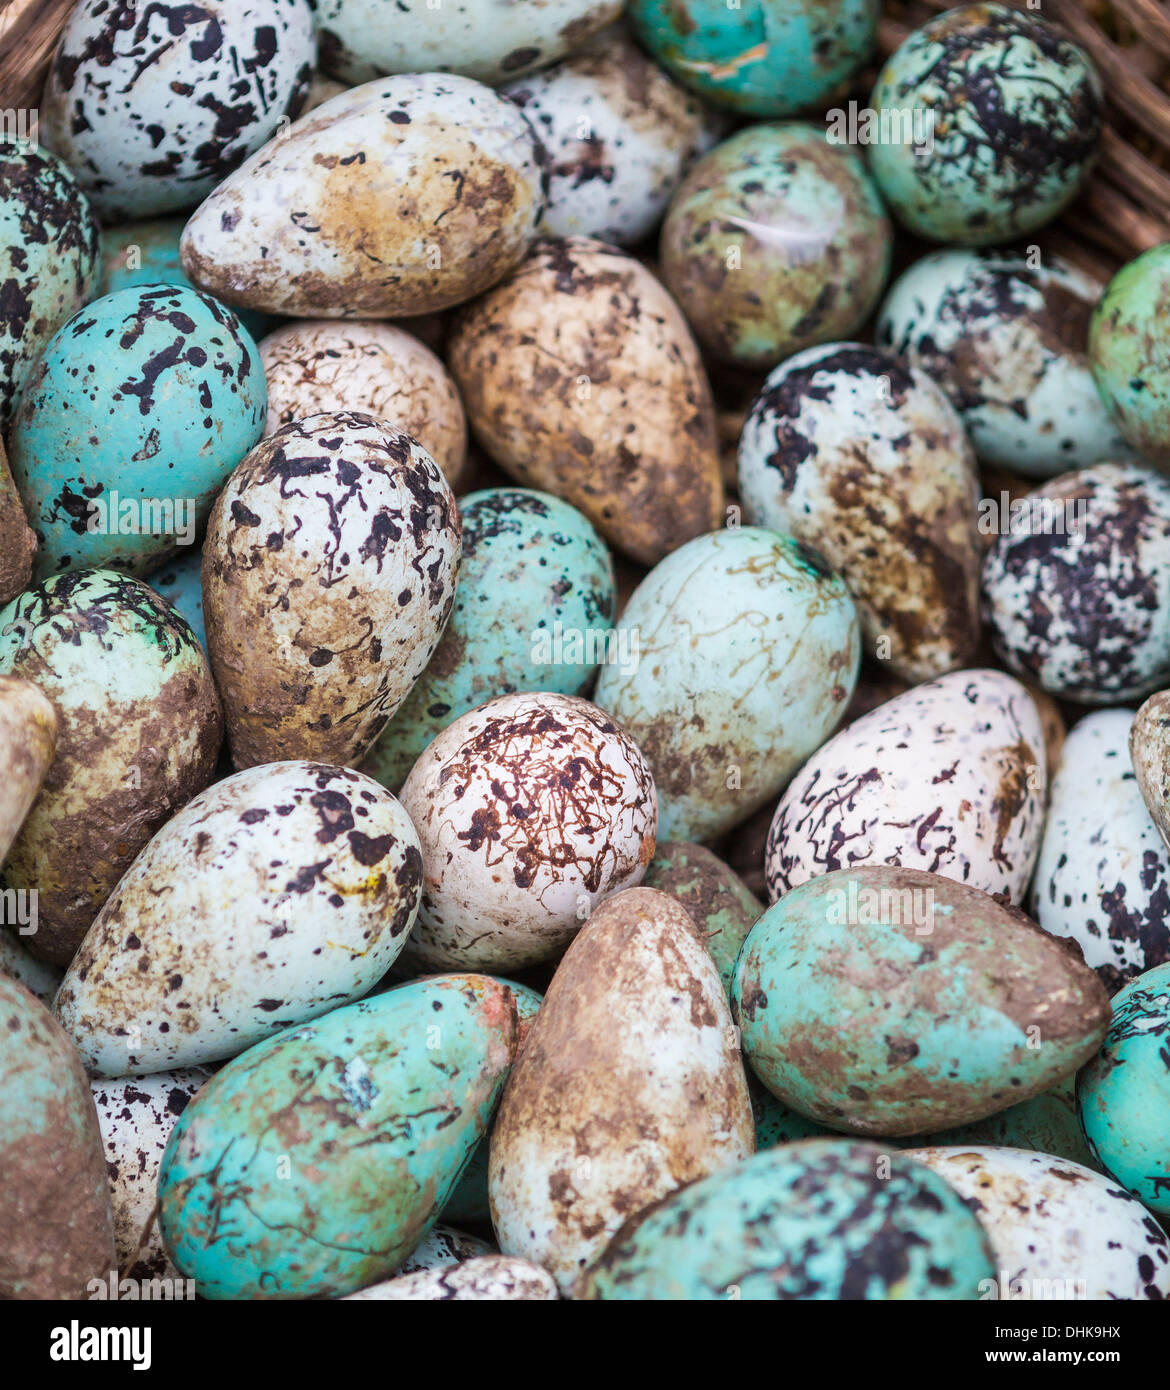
(484, 39)
(29, 728)
(619, 135)
(1076, 588)
(304, 880)
(529, 811)
(745, 650)
(759, 57)
(1103, 873)
(180, 582)
(1123, 1094)
(152, 105)
(48, 259)
(864, 459)
(328, 574)
(1057, 1230)
(140, 407)
(821, 1219)
(399, 197)
(630, 1085)
(316, 367)
(882, 1000)
(533, 610)
(139, 729)
(18, 543)
(1129, 349)
(494, 1278)
(54, 1200)
(948, 778)
(1149, 748)
(315, 1162)
(775, 241)
(35, 975)
(443, 1246)
(1005, 335)
(136, 1115)
(580, 376)
(988, 121)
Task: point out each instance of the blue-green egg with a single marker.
(315, 1162)
(533, 610)
(1123, 1094)
(140, 407)
(179, 581)
(819, 1219)
(759, 57)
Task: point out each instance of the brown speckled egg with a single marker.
(18, 542)
(324, 365)
(580, 377)
(631, 1084)
(328, 576)
(28, 741)
(1149, 748)
(529, 811)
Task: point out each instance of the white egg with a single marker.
(441, 1247)
(490, 1278)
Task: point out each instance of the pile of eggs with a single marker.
(584, 662)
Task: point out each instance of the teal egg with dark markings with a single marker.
(314, 1163)
(179, 581)
(1123, 1094)
(819, 1219)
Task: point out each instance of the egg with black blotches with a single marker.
(865, 460)
(399, 197)
(529, 811)
(487, 1278)
(1006, 336)
(1076, 588)
(180, 581)
(329, 573)
(949, 778)
(1057, 1230)
(306, 879)
(442, 1247)
(1103, 873)
(152, 105)
(48, 259)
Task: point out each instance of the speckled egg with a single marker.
(48, 259)
(35, 975)
(1149, 749)
(399, 197)
(315, 1162)
(54, 1200)
(821, 1219)
(316, 367)
(29, 729)
(139, 732)
(494, 1278)
(619, 135)
(775, 241)
(719, 902)
(747, 650)
(630, 1084)
(864, 459)
(533, 610)
(1129, 349)
(759, 57)
(129, 424)
(486, 39)
(529, 810)
(949, 778)
(1076, 588)
(152, 105)
(180, 582)
(18, 542)
(580, 377)
(882, 1000)
(328, 574)
(988, 121)
(1005, 336)
(443, 1247)
(304, 880)
(1057, 1230)
(1123, 1095)
(136, 1115)
(1103, 872)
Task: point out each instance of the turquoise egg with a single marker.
(819, 1219)
(761, 57)
(48, 258)
(180, 581)
(140, 407)
(533, 611)
(1123, 1094)
(777, 1123)
(315, 1162)
(986, 121)
(1129, 350)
